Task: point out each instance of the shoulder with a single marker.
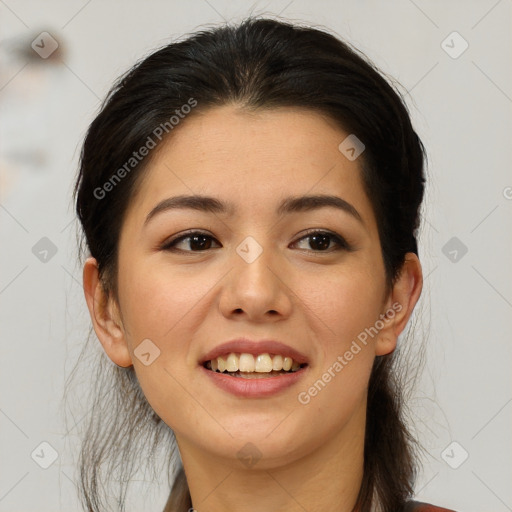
(416, 506)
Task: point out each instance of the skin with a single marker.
(311, 455)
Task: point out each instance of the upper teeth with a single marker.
(248, 363)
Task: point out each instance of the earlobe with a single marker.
(401, 302)
(104, 316)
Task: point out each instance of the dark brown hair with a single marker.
(256, 64)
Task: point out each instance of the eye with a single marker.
(197, 242)
(321, 240)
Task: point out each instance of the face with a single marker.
(311, 278)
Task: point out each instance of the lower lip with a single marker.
(254, 388)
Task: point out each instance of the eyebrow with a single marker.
(289, 205)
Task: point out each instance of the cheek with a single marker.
(163, 308)
(343, 317)
(158, 302)
(166, 307)
(347, 302)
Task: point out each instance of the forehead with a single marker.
(253, 160)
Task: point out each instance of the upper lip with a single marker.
(247, 346)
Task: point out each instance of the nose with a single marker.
(256, 286)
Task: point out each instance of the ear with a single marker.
(105, 316)
(400, 304)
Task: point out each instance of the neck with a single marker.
(322, 476)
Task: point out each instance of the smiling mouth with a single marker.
(245, 366)
(254, 375)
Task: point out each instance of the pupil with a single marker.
(322, 241)
(194, 240)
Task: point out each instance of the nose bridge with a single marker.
(253, 261)
(255, 286)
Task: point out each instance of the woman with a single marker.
(250, 201)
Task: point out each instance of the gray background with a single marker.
(461, 108)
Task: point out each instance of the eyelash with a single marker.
(340, 241)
